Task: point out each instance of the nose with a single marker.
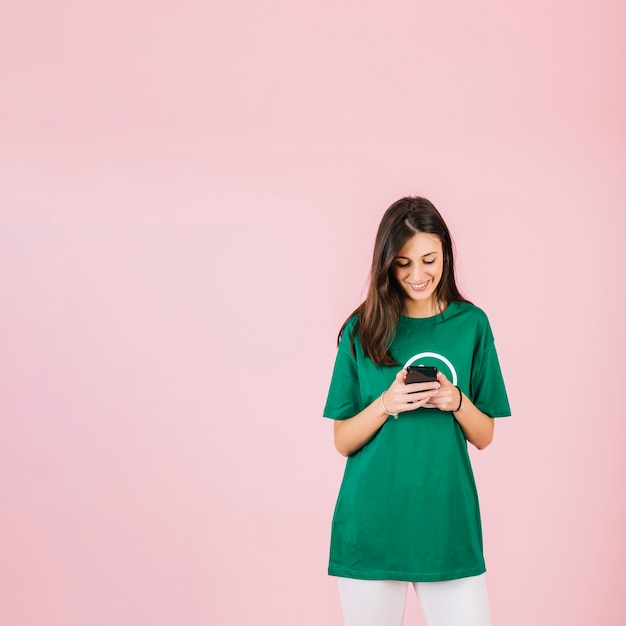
(416, 274)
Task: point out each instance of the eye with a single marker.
(429, 262)
(403, 263)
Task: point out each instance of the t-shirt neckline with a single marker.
(433, 319)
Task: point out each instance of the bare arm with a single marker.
(477, 426)
(353, 433)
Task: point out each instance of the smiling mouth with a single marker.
(418, 286)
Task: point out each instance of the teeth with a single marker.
(418, 285)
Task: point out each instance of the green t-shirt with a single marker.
(408, 508)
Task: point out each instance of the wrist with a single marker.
(458, 408)
(385, 409)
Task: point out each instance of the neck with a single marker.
(426, 308)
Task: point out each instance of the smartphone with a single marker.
(420, 374)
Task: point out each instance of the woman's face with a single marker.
(418, 268)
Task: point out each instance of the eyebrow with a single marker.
(423, 255)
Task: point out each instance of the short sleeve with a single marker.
(344, 395)
(487, 389)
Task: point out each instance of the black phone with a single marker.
(420, 374)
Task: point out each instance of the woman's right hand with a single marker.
(353, 433)
(401, 397)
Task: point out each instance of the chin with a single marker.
(422, 297)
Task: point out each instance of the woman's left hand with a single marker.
(447, 397)
(476, 425)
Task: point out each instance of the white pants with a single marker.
(460, 602)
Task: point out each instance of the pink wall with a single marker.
(188, 197)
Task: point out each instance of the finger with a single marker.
(441, 377)
(413, 405)
(442, 396)
(401, 376)
(443, 400)
(440, 403)
(418, 396)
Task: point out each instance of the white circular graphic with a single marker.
(438, 357)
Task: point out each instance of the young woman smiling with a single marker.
(407, 510)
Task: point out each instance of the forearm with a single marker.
(353, 433)
(477, 426)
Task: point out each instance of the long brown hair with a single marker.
(378, 314)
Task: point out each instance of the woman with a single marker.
(407, 510)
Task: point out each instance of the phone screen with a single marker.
(420, 374)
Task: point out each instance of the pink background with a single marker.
(189, 192)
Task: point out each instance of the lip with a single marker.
(418, 287)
